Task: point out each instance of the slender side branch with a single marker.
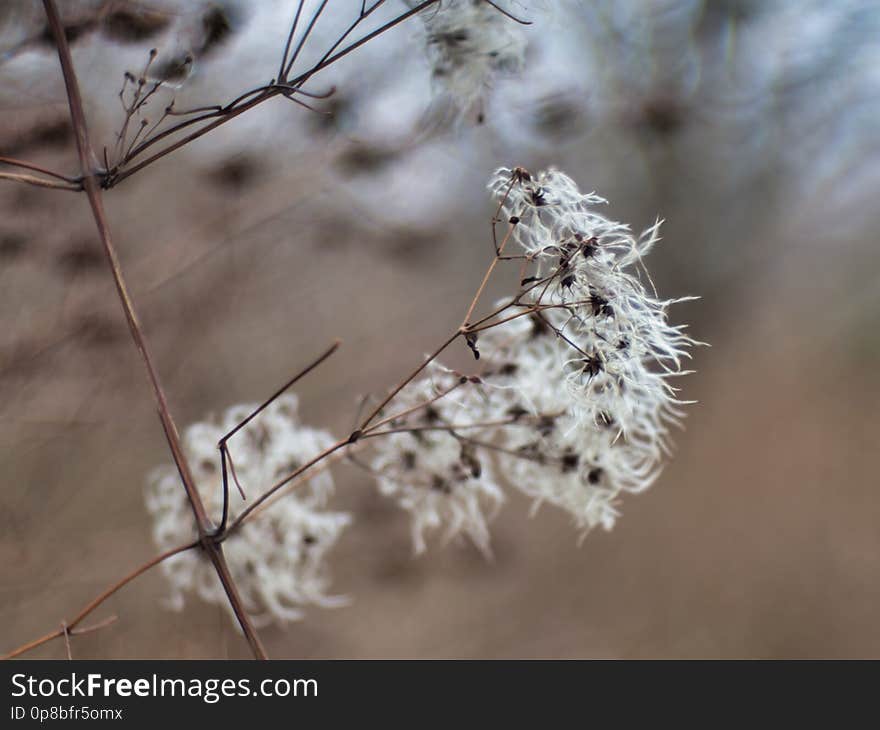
(46, 638)
(424, 404)
(71, 626)
(37, 168)
(498, 251)
(299, 376)
(281, 76)
(222, 444)
(40, 182)
(412, 376)
(278, 485)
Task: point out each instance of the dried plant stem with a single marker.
(529, 310)
(290, 34)
(317, 469)
(502, 450)
(507, 14)
(278, 485)
(323, 459)
(488, 275)
(512, 421)
(91, 182)
(70, 627)
(462, 330)
(38, 168)
(40, 182)
(211, 539)
(417, 407)
(299, 376)
(93, 192)
(226, 457)
(46, 638)
(227, 117)
(400, 386)
(97, 601)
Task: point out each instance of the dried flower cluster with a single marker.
(433, 471)
(277, 556)
(469, 43)
(573, 403)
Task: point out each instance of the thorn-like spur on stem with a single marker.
(66, 635)
(224, 450)
(93, 192)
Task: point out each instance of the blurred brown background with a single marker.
(250, 251)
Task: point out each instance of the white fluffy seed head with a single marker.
(435, 472)
(278, 556)
(574, 402)
(469, 44)
(600, 341)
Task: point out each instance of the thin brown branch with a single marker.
(305, 36)
(499, 249)
(281, 75)
(364, 14)
(71, 626)
(40, 182)
(512, 421)
(560, 334)
(528, 309)
(37, 168)
(140, 570)
(417, 407)
(278, 485)
(515, 302)
(366, 39)
(412, 376)
(86, 157)
(227, 117)
(226, 456)
(296, 378)
(507, 14)
(293, 483)
(31, 645)
(489, 446)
